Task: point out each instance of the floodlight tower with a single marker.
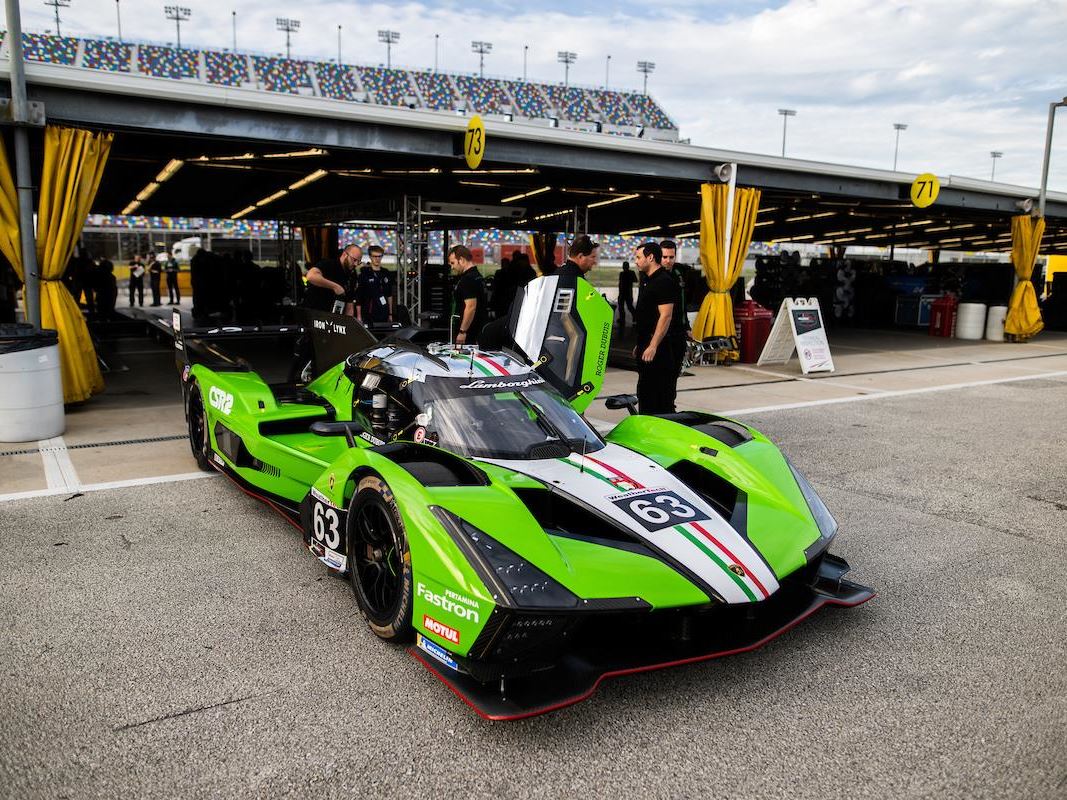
(290, 26)
(57, 4)
(994, 155)
(786, 114)
(388, 38)
(646, 68)
(898, 127)
(566, 58)
(481, 48)
(179, 14)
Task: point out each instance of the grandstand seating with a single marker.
(226, 69)
(436, 90)
(106, 56)
(386, 86)
(281, 74)
(571, 102)
(50, 49)
(648, 112)
(486, 96)
(337, 82)
(391, 87)
(167, 62)
(528, 100)
(614, 107)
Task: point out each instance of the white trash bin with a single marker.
(31, 388)
(994, 323)
(970, 321)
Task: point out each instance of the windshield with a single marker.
(504, 419)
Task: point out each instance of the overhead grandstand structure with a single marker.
(573, 107)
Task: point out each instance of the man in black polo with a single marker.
(374, 293)
(679, 331)
(581, 258)
(468, 296)
(657, 378)
(327, 285)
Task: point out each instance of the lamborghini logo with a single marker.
(737, 570)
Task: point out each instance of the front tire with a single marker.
(380, 560)
(199, 439)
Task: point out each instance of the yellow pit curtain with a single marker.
(9, 216)
(1024, 317)
(320, 241)
(716, 315)
(73, 166)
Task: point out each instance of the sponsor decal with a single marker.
(218, 459)
(737, 570)
(602, 356)
(370, 438)
(440, 629)
(420, 435)
(320, 496)
(451, 602)
(332, 480)
(220, 399)
(329, 326)
(436, 651)
(334, 560)
(521, 383)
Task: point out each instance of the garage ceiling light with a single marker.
(173, 166)
(810, 216)
(147, 191)
(314, 151)
(683, 224)
(528, 171)
(314, 176)
(131, 207)
(618, 199)
(242, 212)
(530, 193)
(639, 230)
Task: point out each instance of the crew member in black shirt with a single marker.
(374, 292)
(327, 285)
(155, 275)
(679, 331)
(627, 279)
(657, 378)
(468, 296)
(581, 258)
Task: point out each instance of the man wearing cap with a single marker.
(581, 258)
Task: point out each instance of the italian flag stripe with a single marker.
(499, 369)
(722, 564)
(590, 471)
(482, 368)
(734, 558)
(615, 472)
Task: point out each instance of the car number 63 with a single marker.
(325, 524)
(659, 509)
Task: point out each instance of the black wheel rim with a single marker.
(197, 424)
(377, 556)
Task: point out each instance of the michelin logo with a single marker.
(451, 602)
(437, 652)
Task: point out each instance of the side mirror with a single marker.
(616, 401)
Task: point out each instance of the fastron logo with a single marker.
(221, 400)
(452, 604)
(440, 629)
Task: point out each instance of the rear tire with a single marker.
(199, 439)
(379, 560)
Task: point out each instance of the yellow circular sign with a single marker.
(924, 190)
(474, 142)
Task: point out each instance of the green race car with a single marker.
(480, 517)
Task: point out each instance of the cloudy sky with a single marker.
(966, 76)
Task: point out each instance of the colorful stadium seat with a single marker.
(436, 90)
(49, 49)
(226, 69)
(391, 87)
(107, 56)
(486, 95)
(167, 62)
(337, 82)
(281, 74)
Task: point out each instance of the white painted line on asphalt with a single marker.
(59, 472)
(96, 487)
(894, 393)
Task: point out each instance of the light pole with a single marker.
(338, 45)
(179, 14)
(233, 22)
(57, 4)
(525, 51)
(786, 114)
(388, 38)
(566, 58)
(481, 48)
(994, 155)
(118, 18)
(436, 42)
(607, 70)
(898, 127)
(646, 68)
(290, 26)
(1048, 154)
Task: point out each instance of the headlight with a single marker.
(513, 581)
(823, 518)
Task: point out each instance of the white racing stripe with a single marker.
(59, 472)
(96, 487)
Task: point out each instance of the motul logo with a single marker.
(440, 629)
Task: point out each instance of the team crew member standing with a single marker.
(468, 296)
(327, 284)
(657, 378)
(581, 258)
(678, 332)
(155, 274)
(374, 292)
(174, 293)
(627, 279)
